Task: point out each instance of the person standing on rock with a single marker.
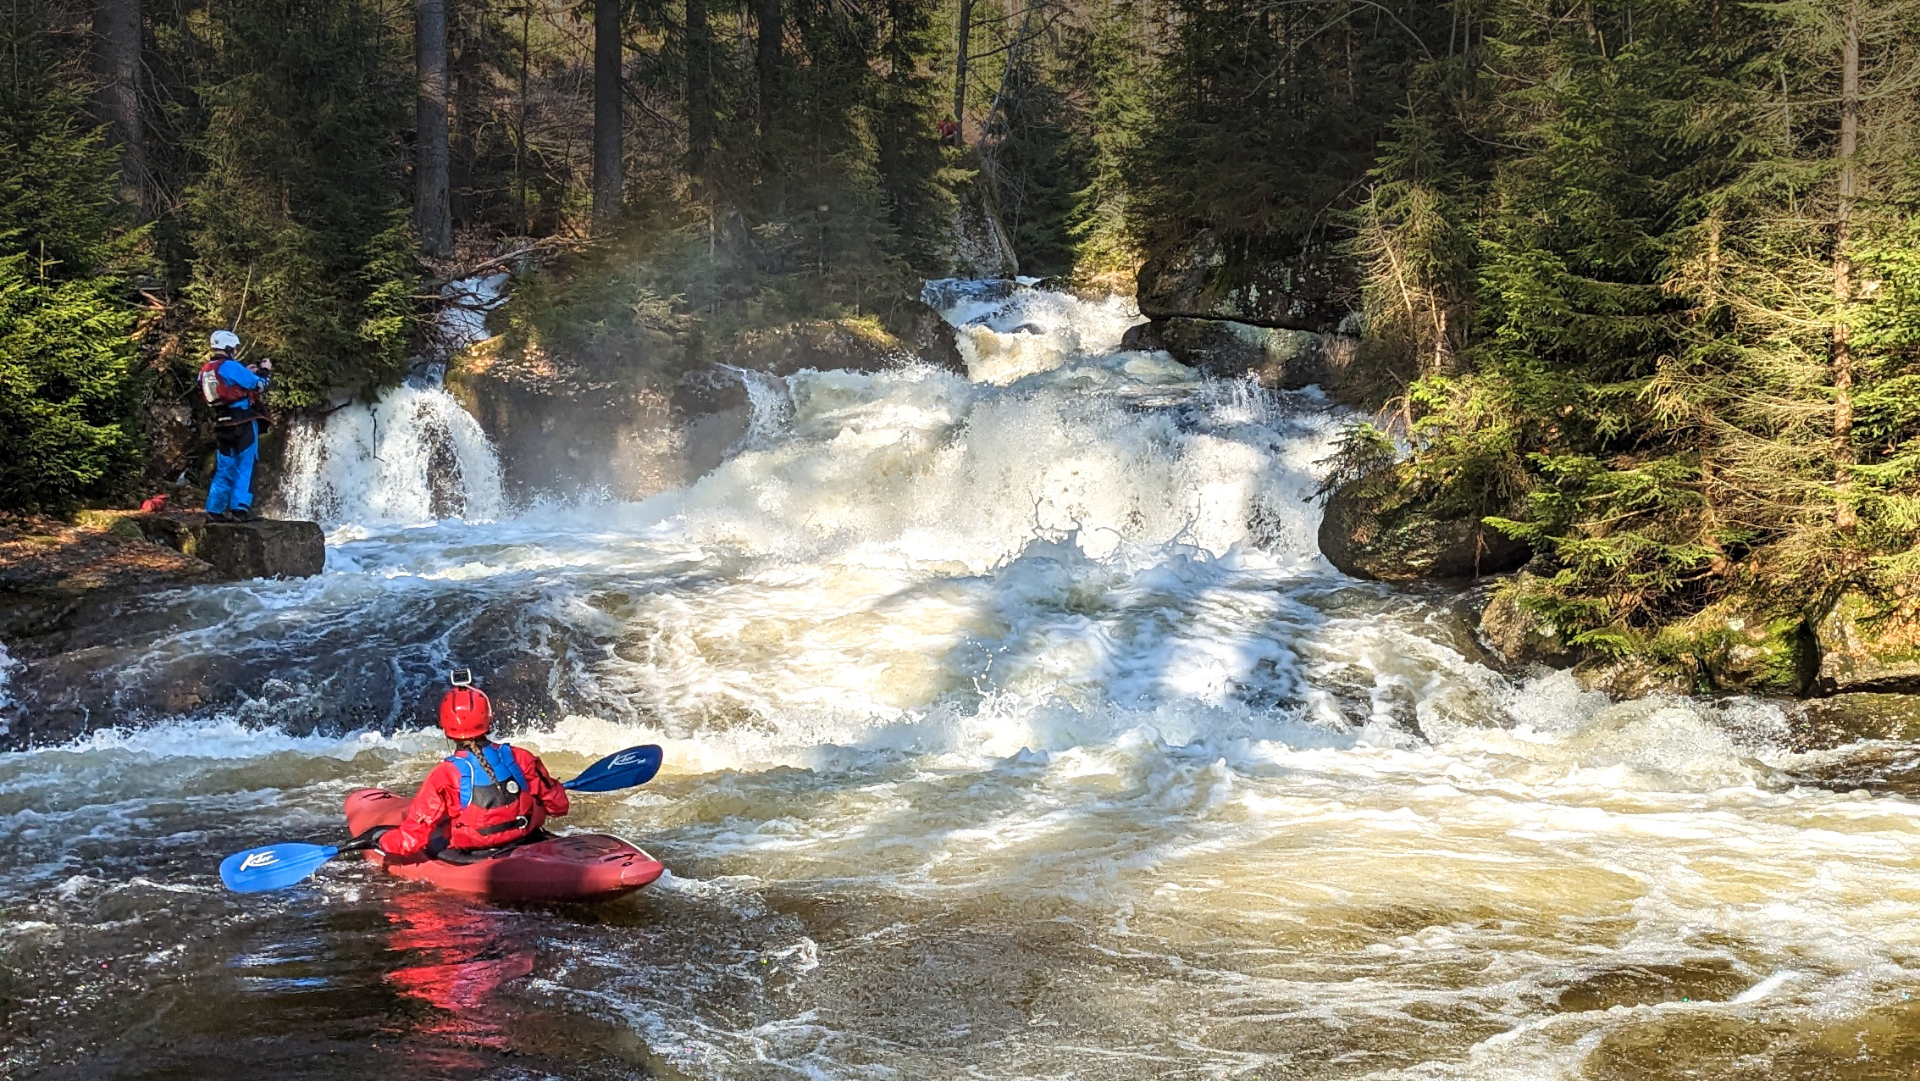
(233, 390)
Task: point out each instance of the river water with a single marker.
(1015, 729)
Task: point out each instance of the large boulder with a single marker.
(1737, 647)
(1517, 636)
(1868, 644)
(1276, 356)
(1372, 528)
(261, 548)
(1201, 276)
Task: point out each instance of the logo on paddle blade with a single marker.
(628, 758)
(259, 859)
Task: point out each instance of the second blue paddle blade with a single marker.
(273, 867)
(630, 767)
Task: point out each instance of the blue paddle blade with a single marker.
(273, 867)
(635, 765)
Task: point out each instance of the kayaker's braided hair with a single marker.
(474, 746)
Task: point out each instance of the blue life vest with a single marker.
(510, 783)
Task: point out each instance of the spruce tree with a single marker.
(66, 353)
(302, 206)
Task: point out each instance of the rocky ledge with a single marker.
(53, 572)
(1854, 646)
(261, 548)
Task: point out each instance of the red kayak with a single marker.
(577, 867)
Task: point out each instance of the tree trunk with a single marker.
(960, 71)
(1843, 457)
(433, 215)
(609, 157)
(116, 62)
(767, 16)
(699, 77)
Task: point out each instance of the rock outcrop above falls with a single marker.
(1282, 316)
(1204, 277)
(661, 409)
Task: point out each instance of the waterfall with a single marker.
(412, 456)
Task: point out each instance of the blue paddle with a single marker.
(633, 766)
(275, 867)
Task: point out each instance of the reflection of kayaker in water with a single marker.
(486, 795)
(455, 958)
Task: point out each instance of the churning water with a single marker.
(1015, 729)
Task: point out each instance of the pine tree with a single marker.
(301, 206)
(66, 353)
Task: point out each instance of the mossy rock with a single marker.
(1869, 644)
(1735, 648)
(1376, 528)
(1517, 635)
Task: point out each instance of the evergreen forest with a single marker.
(1634, 281)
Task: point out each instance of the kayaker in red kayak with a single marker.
(486, 795)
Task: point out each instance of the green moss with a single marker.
(1728, 647)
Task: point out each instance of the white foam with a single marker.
(410, 457)
(1056, 642)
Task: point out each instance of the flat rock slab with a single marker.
(51, 572)
(262, 548)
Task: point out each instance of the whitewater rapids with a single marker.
(1015, 728)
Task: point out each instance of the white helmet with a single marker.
(224, 339)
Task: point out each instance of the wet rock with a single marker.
(1851, 718)
(1519, 637)
(1635, 676)
(1868, 644)
(941, 294)
(1278, 357)
(1736, 648)
(1202, 277)
(929, 336)
(1371, 528)
(262, 548)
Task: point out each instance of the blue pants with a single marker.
(232, 487)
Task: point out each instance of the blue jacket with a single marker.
(237, 374)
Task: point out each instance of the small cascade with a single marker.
(412, 456)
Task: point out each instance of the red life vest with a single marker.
(218, 391)
(496, 806)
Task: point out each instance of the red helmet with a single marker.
(465, 713)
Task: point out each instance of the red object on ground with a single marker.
(154, 504)
(576, 867)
